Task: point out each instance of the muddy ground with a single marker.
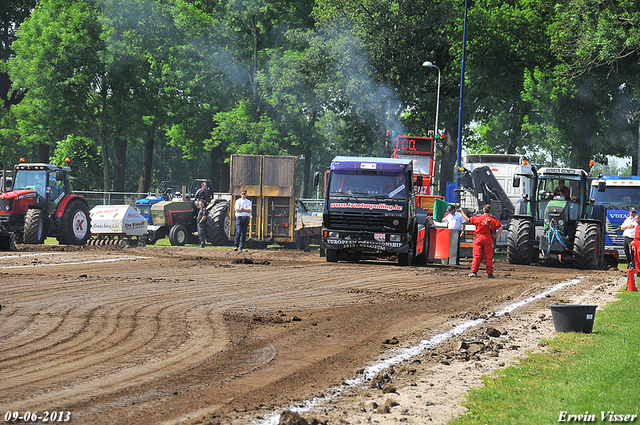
(211, 336)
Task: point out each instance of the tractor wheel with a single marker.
(178, 235)
(519, 250)
(218, 224)
(587, 246)
(75, 227)
(332, 255)
(19, 236)
(34, 226)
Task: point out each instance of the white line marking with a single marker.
(110, 260)
(408, 353)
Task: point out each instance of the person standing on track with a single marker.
(487, 229)
(629, 232)
(202, 222)
(243, 215)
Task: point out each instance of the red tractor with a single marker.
(37, 202)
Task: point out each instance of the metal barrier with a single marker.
(111, 198)
(313, 205)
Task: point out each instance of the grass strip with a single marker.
(579, 374)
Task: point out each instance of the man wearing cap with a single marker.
(455, 222)
(453, 218)
(628, 232)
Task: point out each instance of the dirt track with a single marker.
(166, 335)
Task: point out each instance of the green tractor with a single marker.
(559, 221)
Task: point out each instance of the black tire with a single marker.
(404, 259)
(19, 236)
(178, 235)
(587, 246)
(218, 224)
(332, 255)
(34, 226)
(519, 250)
(75, 226)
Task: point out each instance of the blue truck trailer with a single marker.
(618, 194)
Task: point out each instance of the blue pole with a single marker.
(459, 162)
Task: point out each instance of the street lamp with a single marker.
(435, 133)
(431, 65)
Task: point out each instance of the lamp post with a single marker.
(431, 65)
(464, 44)
(435, 132)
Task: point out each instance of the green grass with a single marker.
(579, 373)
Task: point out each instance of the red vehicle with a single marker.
(38, 203)
(422, 151)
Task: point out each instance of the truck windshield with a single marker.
(374, 185)
(421, 164)
(617, 195)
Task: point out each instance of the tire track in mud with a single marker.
(117, 334)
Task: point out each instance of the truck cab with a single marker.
(369, 211)
(617, 194)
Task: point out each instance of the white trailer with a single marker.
(117, 225)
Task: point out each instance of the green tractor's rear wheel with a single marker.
(34, 226)
(588, 246)
(519, 250)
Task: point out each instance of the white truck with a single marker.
(503, 167)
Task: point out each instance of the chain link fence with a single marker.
(111, 198)
(311, 205)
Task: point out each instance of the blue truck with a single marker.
(370, 211)
(617, 194)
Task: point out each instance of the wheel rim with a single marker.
(80, 224)
(181, 236)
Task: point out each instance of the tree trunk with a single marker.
(43, 153)
(219, 170)
(585, 125)
(119, 163)
(448, 159)
(104, 153)
(306, 174)
(147, 162)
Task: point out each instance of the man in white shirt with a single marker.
(628, 232)
(243, 215)
(454, 219)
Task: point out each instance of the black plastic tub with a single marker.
(573, 317)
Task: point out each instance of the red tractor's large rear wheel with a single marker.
(34, 226)
(75, 227)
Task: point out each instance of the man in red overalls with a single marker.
(487, 228)
(635, 245)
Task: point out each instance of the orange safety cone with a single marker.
(631, 280)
